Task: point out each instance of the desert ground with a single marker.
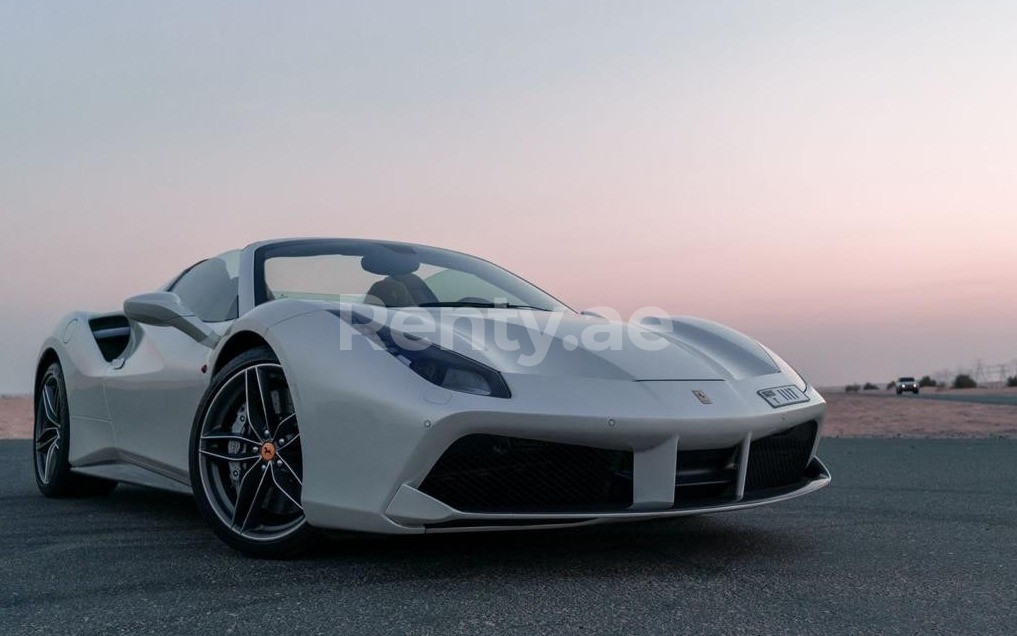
(15, 417)
(866, 414)
(883, 414)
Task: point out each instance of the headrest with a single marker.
(391, 260)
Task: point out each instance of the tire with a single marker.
(245, 459)
(899, 391)
(51, 443)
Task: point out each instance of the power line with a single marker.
(988, 375)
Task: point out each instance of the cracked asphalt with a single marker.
(913, 536)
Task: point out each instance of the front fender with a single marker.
(82, 364)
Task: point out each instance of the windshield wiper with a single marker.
(480, 304)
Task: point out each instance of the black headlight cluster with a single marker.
(438, 366)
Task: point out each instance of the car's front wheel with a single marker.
(246, 461)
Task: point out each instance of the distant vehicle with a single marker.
(906, 384)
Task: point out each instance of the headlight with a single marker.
(438, 366)
(454, 372)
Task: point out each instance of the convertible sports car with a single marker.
(309, 384)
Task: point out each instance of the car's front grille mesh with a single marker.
(780, 460)
(498, 474)
(494, 473)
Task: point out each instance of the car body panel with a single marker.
(153, 396)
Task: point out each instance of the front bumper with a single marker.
(459, 522)
(372, 432)
(470, 489)
(366, 466)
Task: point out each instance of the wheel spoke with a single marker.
(289, 469)
(288, 484)
(257, 414)
(213, 447)
(47, 437)
(286, 428)
(292, 451)
(289, 440)
(225, 457)
(48, 406)
(50, 462)
(248, 496)
(229, 437)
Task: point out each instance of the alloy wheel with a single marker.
(48, 426)
(249, 455)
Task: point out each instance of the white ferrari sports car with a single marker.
(302, 385)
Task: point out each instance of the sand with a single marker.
(868, 416)
(15, 417)
(848, 416)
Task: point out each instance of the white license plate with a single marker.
(783, 396)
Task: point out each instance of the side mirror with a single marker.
(164, 309)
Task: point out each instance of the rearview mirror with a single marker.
(164, 309)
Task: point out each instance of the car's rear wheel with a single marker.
(246, 461)
(52, 437)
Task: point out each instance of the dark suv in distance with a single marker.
(906, 384)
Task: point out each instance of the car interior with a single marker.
(400, 287)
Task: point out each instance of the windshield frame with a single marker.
(325, 246)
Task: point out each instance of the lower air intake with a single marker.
(780, 460)
(705, 477)
(498, 474)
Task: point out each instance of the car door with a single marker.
(153, 391)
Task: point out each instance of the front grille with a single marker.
(780, 460)
(705, 477)
(497, 474)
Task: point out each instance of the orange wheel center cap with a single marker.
(268, 451)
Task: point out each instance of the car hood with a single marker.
(574, 345)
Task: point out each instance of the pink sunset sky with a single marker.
(836, 179)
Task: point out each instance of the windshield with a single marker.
(389, 274)
(906, 380)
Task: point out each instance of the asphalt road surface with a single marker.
(912, 537)
(1009, 399)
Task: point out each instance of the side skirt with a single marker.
(131, 474)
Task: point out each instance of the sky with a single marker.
(835, 179)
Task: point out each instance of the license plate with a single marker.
(783, 396)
